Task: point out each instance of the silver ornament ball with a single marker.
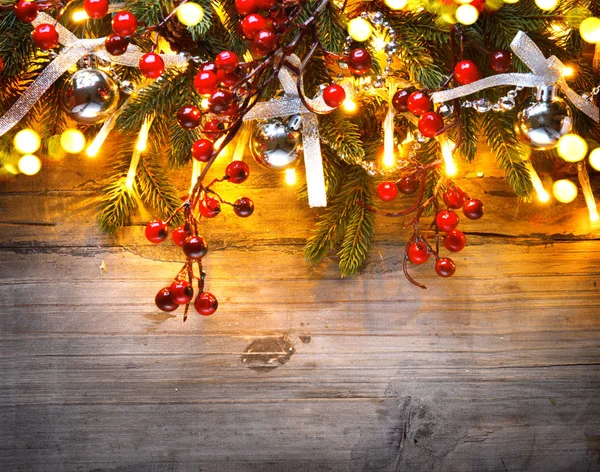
(543, 120)
(90, 96)
(277, 143)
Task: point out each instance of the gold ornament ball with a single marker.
(359, 29)
(467, 14)
(546, 5)
(72, 140)
(27, 141)
(595, 159)
(29, 164)
(572, 148)
(564, 191)
(190, 14)
(590, 30)
(396, 4)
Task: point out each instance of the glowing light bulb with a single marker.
(190, 14)
(595, 159)
(359, 29)
(542, 195)
(572, 147)
(72, 140)
(290, 176)
(467, 14)
(564, 191)
(590, 30)
(511, 1)
(29, 164)
(27, 141)
(568, 71)
(447, 147)
(546, 4)
(79, 16)
(349, 106)
(396, 4)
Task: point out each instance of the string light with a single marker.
(196, 171)
(190, 14)
(467, 14)
(389, 159)
(359, 29)
(568, 71)
(546, 5)
(572, 147)
(349, 106)
(140, 147)
(590, 30)
(396, 4)
(447, 146)
(595, 159)
(564, 191)
(79, 16)
(72, 140)
(542, 195)
(29, 164)
(27, 141)
(588, 193)
(290, 176)
(511, 1)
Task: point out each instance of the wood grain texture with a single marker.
(495, 369)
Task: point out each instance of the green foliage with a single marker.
(343, 136)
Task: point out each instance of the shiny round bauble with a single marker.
(387, 191)
(213, 128)
(189, 116)
(226, 61)
(446, 220)
(466, 72)
(45, 36)
(275, 145)
(501, 61)
(246, 7)
(151, 65)
(181, 292)
(195, 247)
(237, 172)
(90, 96)
(454, 199)
(473, 209)
(445, 267)
(209, 207)
(243, 207)
(26, 11)
(359, 61)
(408, 184)
(179, 235)
(116, 44)
(124, 23)
(264, 42)
(206, 304)
(334, 95)
(96, 9)
(205, 82)
(156, 231)
(400, 100)
(163, 300)
(541, 123)
(455, 241)
(252, 24)
(202, 149)
(190, 14)
(430, 124)
(418, 103)
(221, 102)
(359, 29)
(418, 253)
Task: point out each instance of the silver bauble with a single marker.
(276, 143)
(90, 96)
(543, 119)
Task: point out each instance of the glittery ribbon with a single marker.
(74, 49)
(544, 72)
(291, 104)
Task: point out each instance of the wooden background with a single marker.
(496, 369)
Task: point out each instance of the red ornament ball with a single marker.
(195, 247)
(446, 221)
(466, 72)
(418, 103)
(430, 124)
(501, 61)
(359, 61)
(334, 95)
(418, 253)
(156, 231)
(455, 241)
(116, 44)
(209, 207)
(453, 198)
(26, 11)
(163, 300)
(252, 24)
(243, 207)
(205, 82)
(45, 36)
(189, 116)
(264, 42)
(245, 7)
(400, 100)
(473, 209)
(387, 191)
(408, 185)
(237, 172)
(151, 65)
(179, 234)
(206, 304)
(226, 61)
(445, 267)
(222, 102)
(96, 9)
(202, 150)
(124, 23)
(181, 292)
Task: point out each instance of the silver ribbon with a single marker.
(74, 49)
(291, 104)
(544, 72)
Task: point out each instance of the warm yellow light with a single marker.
(546, 4)
(595, 159)
(190, 14)
(467, 14)
(27, 141)
(511, 1)
(396, 4)
(540, 191)
(142, 140)
(79, 16)
(447, 147)
(572, 147)
(349, 106)
(564, 191)
(290, 176)
(29, 164)
(568, 71)
(590, 30)
(359, 29)
(72, 140)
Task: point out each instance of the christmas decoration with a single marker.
(276, 143)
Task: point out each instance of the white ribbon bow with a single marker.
(74, 49)
(544, 72)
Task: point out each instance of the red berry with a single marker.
(243, 207)
(1, 65)
(418, 103)
(479, 4)
(359, 61)
(156, 231)
(453, 198)
(124, 23)
(245, 7)
(96, 9)
(151, 65)
(189, 116)
(163, 300)
(418, 252)
(387, 191)
(209, 207)
(116, 44)
(445, 267)
(213, 127)
(179, 234)
(400, 100)
(195, 247)
(501, 61)
(206, 304)
(252, 24)
(266, 4)
(408, 185)
(473, 209)
(26, 11)
(205, 82)
(221, 101)
(227, 79)
(45, 36)
(279, 20)
(237, 171)
(466, 72)
(264, 42)
(455, 241)
(208, 67)
(226, 61)
(446, 221)
(181, 292)
(430, 124)
(334, 95)
(202, 150)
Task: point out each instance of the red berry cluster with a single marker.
(419, 104)
(263, 22)
(388, 191)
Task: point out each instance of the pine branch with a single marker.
(332, 32)
(343, 136)
(182, 141)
